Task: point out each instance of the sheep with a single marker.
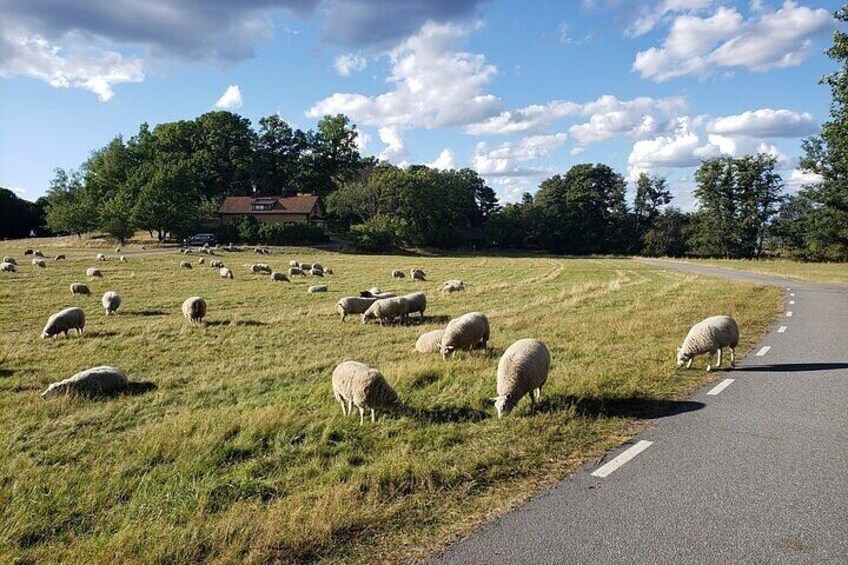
(398, 274)
(317, 288)
(91, 382)
(450, 288)
(118, 250)
(185, 265)
(318, 266)
(353, 305)
(523, 369)
(386, 310)
(709, 336)
(122, 258)
(378, 296)
(417, 275)
(359, 385)
(93, 272)
(80, 288)
(64, 321)
(278, 276)
(305, 267)
(296, 271)
(59, 257)
(39, 263)
(260, 268)
(101, 257)
(7, 267)
(294, 263)
(194, 309)
(225, 273)
(316, 272)
(329, 272)
(417, 302)
(11, 260)
(429, 342)
(201, 261)
(216, 263)
(111, 301)
(38, 253)
(28, 251)
(465, 332)
(186, 251)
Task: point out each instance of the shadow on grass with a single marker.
(6, 373)
(147, 313)
(795, 367)
(101, 334)
(633, 407)
(449, 414)
(134, 388)
(246, 323)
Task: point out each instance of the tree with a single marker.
(116, 215)
(18, 217)
(279, 150)
(224, 145)
(332, 158)
(759, 191)
(651, 194)
(168, 197)
(667, 236)
(70, 208)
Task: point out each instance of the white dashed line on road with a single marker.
(789, 314)
(792, 294)
(781, 329)
(791, 302)
(623, 458)
(720, 387)
(763, 351)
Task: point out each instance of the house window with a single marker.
(262, 206)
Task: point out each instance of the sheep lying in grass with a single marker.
(7, 267)
(93, 272)
(466, 332)
(523, 369)
(353, 305)
(225, 273)
(430, 342)
(185, 265)
(194, 309)
(101, 257)
(453, 285)
(80, 288)
(64, 321)
(59, 257)
(386, 310)
(417, 302)
(11, 260)
(317, 288)
(357, 384)
(216, 263)
(398, 274)
(91, 382)
(40, 263)
(278, 276)
(111, 301)
(709, 336)
(417, 275)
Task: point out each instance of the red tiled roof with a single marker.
(301, 204)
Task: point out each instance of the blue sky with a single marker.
(517, 91)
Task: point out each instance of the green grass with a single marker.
(241, 455)
(814, 272)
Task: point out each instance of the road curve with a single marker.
(758, 475)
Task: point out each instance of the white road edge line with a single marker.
(720, 387)
(623, 458)
(792, 294)
(763, 351)
(792, 303)
(781, 329)
(789, 314)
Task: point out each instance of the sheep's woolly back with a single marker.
(278, 276)
(111, 301)
(80, 288)
(93, 272)
(353, 305)
(523, 367)
(185, 264)
(59, 257)
(417, 302)
(39, 263)
(366, 387)
(194, 309)
(465, 332)
(709, 335)
(91, 382)
(8, 259)
(317, 288)
(429, 342)
(295, 271)
(387, 309)
(7, 267)
(398, 274)
(64, 321)
(225, 273)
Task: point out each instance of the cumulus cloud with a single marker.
(681, 149)
(349, 63)
(231, 99)
(395, 150)
(698, 45)
(652, 13)
(765, 123)
(799, 178)
(445, 161)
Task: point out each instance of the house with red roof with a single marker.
(300, 209)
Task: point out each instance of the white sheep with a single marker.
(430, 342)
(111, 301)
(225, 273)
(386, 310)
(295, 271)
(7, 267)
(353, 305)
(194, 309)
(38, 253)
(318, 266)
(11, 260)
(523, 369)
(316, 272)
(357, 384)
(294, 263)
(453, 285)
(201, 261)
(59, 257)
(417, 302)
(80, 288)
(185, 265)
(122, 258)
(317, 288)
(466, 332)
(278, 276)
(101, 257)
(417, 275)
(91, 382)
(398, 274)
(64, 321)
(93, 272)
(260, 268)
(216, 263)
(40, 263)
(118, 250)
(709, 336)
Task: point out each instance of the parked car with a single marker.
(201, 239)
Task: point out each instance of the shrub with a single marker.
(378, 233)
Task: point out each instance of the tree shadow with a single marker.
(146, 313)
(795, 367)
(628, 407)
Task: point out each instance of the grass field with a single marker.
(231, 448)
(815, 272)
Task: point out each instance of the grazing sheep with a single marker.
(378, 296)
(216, 263)
(93, 272)
(523, 369)
(111, 301)
(318, 266)
(7, 267)
(80, 288)
(122, 258)
(430, 342)
(101, 257)
(194, 309)
(386, 310)
(305, 267)
(201, 261)
(353, 305)
(375, 290)
(186, 251)
(185, 265)
(398, 274)
(317, 288)
(38, 253)
(466, 332)
(357, 384)
(417, 302)
(294, 263)
(260, 268)
(40, 263)
(316, 272)
(225, 273)
(709, 336)
(59, 257)
(11, 260)
(417, 275)
(64, 321)
(278, 276)
(118, 250)
(453, 285)
(296, 271)
(28, 251)
(91, 382)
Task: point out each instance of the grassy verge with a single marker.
(814, 272)
(233, 450)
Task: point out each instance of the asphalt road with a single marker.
(758, 474)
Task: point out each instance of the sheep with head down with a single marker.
(8, 259)
(430, 342)
(40, 263)
(523, 369)
(386, 310)
(93, 272)
(357, 384)
(278, 276)
(709, 336)
(111, 301)
(350, 305)
(398, 274)
(466, 332)
(80, 288)
(317, 288)
(194, 309)
(91, 382)
(225, 273)
(59, 257)
(64, 321)
(7, 267)
(101, 257)
(185, 265)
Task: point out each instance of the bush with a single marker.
(378, 233)
(290, 234)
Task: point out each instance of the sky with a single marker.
(518, 91)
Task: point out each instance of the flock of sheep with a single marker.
(523, 369)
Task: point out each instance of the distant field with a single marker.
(815, 272)
(240, 454)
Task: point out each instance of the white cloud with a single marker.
(395, 150)
(434, 85)
(77, 67)
(576, 151)
(650, 16)
(765, 123)
(799, 178)
(231, 99)
(530, 118)
(349, 63)
(681, 149)
(697, 45)
(446, 160)
(362, 141)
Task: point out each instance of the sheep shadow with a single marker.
(146, 313)
(134, 388)
(442, 319)
(450, 415)
(100, 334)
(618, 407)
(245, 323)
(6, 373)
(794, 367)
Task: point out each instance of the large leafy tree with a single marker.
(332, 158)
(651, 195)
(70, 207)
(279, 150)
(224, 148)
(168, 197)
(18, 217)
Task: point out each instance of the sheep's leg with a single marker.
(532, 401)
(718, 364)
(709, 361)
(539, 394)
(732, 357)
(361, 415)
(373, 416)
(689, 363)
(349, 407)
(344, 412)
